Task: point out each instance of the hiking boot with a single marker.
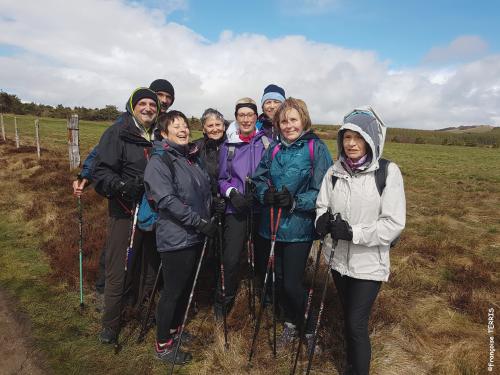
(166, 352)
(287, 336)
(108, 336)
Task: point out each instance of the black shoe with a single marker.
(167, 353)
(108, 336)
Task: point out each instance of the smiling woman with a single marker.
(180, 191)
(288, 179)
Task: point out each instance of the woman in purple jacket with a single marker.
(239, 157)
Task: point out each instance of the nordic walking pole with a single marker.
(222, 282)
(263, 294)
(250, 254)
(308, 306)
(80, 249)
(188, 305)
(273, 265)
(127, 257)
(322, 305)
(145, 321)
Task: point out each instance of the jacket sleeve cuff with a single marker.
(228, 191)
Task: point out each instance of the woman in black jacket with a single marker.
(180, 191)
(214, 135)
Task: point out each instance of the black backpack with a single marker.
(380, 180)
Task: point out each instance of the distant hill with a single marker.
(468, 129)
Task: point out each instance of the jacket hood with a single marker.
(189, 151)
(129, 132)
(130, 110)
(368, 124)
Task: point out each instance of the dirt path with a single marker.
(17, 355)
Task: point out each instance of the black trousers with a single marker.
(290, 264)
(178, 270)
(357, 297)
(236, 227)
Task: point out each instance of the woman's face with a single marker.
(213, 128)
(246, 119)
(270, 106)
(354, 145)
(291, 126)
(178, 132)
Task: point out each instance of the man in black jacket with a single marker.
(118, 175)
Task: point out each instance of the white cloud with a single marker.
(463, 48)
(96, 55)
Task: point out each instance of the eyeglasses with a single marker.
(245, 115)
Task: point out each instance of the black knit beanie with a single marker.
(163, 85)
(142, 93)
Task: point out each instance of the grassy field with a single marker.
(430, 318)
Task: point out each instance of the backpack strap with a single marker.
(275, 151)
(266, 142)
(334, 181)
(230, 156)
(381, 175)
(170, 164)
(310, 144)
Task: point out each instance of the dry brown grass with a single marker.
(428, 319)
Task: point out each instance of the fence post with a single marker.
(3, 127)
(17, 134)
(37, 137)
(74, 142)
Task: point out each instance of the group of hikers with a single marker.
(262, 183)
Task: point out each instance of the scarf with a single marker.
(357, 165)
(247, 138)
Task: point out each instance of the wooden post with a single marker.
(17, 134)
(3, 127)
(37, 137)
(74, 142)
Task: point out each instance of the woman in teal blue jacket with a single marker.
(289, 177)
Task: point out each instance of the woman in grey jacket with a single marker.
(180, 191)
(372, 218)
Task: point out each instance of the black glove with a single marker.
(219, 206)
(323, 224)
(283, 198)
(208, 228)
(240, 203)
(340, 229)
(132, 189)
(269, 196)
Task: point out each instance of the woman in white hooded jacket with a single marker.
(372, 218)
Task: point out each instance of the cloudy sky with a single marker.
(419, 64)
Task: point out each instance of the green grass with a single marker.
(429, 318)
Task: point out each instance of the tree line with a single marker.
(12, 104)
